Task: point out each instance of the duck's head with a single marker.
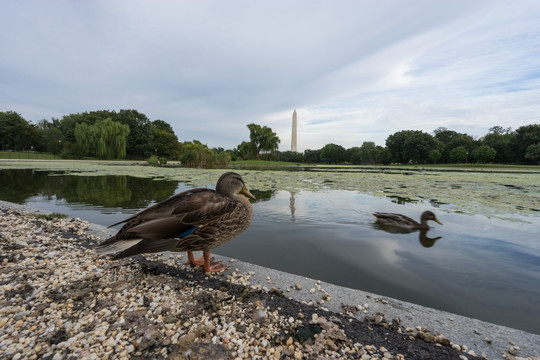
(231, 183)
(428, 215)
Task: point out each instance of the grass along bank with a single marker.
(28, 155)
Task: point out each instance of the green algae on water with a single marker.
(491, 193)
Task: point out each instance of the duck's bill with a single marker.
(437, 221)
(246, 192)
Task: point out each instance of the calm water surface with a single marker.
(475, 266)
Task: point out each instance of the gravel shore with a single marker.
(59, 300)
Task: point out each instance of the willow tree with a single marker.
(113, 137)
(106, 139)
(263, 138)
(85, 139)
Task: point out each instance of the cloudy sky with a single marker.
(354, 71)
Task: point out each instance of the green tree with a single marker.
(352, 155)
(449, 140)
(15, 132)
(484, 154)
(533, 152)
(166, 144)
(247, 150)
(263, 138)
(332, 154)
(312, 156)
(459, 154)
(395, 143)
(68, 122)
(113, 139)
(525, 136)
(411, 145)
(499, 130)
(85, 139)
(162, 125)
(74, 150)
(435, 155)
(195, 154)
(418, 146)
(368, 153)
(384, 156)
(140, 142)
(106, 139)
(233, 154)
(51, 138)
(222, 158)
(291, 156)
(500, 140)
(462, 140)
(444, 135)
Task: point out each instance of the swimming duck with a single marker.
(194, 220)
(405, 222)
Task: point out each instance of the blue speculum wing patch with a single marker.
(186, 233)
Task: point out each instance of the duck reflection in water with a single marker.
(425, 240)
(401, 224)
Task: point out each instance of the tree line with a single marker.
(100, 134)
(130, 134)
(500, 145)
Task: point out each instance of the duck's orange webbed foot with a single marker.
(206, 262)
(196, 261)
(215, 267)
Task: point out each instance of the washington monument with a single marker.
(293, 140)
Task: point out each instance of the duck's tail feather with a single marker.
(143, 246)
(119, 245)
(118, 223)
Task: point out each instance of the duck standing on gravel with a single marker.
(405, 222)
(194, 220)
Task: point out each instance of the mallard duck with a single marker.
(405, 222)
(194, 220)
